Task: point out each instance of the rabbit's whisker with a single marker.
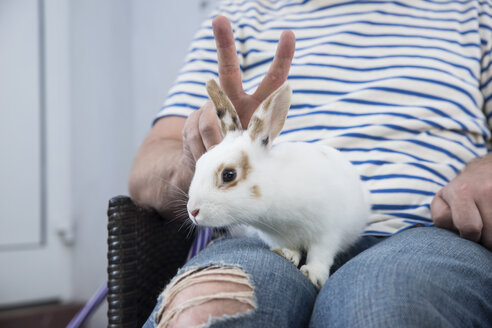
(177, 189)
(191, 230)
(178, 202)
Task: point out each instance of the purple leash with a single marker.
(89, 307)
(201, 241)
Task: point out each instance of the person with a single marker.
(404, 90)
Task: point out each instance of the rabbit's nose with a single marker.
(194, 213)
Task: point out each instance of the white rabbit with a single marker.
(300, 196)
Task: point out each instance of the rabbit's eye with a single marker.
(228, 175)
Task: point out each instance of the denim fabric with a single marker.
(422, 277)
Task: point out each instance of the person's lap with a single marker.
(419, 277)
(278, 285)
(422, 277)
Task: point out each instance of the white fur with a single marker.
(312, 198)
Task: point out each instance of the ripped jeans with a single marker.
(421, 277)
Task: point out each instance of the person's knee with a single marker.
(198, 295)
(412, 279)
(380, 293)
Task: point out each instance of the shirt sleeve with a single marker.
(485, 30)
(188, 93)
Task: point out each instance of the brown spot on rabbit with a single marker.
(267, 102)
(218, 174)
(220, 112)
(255, 190)
(223, 126)
(235, 120)
(224, 108)
(245, 167)
(257, 127)
(218, 96)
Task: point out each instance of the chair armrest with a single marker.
(144, 253)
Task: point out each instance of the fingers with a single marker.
(201, 132)
(209, 126)
(484, 204)
(279, 70)
(466, 202)
(193, 146)
(229, 70)
(464, 211)
(441, 213)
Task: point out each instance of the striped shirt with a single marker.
(402, 88)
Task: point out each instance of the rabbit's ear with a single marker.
(269, 118)
(228, 118)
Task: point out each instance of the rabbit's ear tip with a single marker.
(212, 84)
(286, 87)
(213, 89)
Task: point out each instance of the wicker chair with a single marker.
(144, 253)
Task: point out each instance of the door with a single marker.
(34, 262)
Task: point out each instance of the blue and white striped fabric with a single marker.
(402, 88)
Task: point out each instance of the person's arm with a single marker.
(159, 170)
(164, 165)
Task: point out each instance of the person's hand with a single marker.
(465, 204)
(202, 131)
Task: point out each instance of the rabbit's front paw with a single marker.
(315, 275)
(293, 256)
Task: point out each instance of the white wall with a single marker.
(161, 33)
(124, 57)
(101, 108)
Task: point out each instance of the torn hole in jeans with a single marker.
(193, 276)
